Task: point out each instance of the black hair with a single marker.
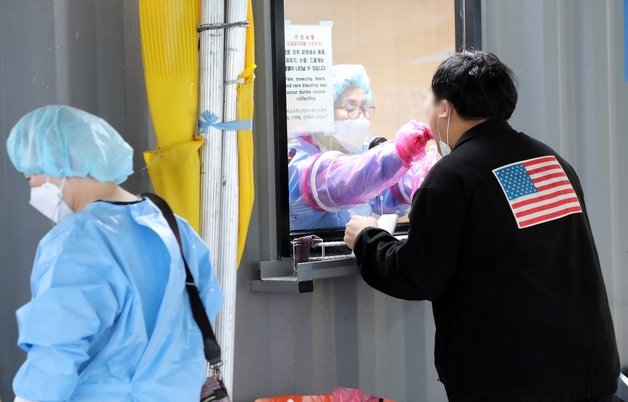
(477, 84)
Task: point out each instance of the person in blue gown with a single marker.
(109, 318)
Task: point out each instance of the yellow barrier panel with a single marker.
(245, 138)
(170, 56)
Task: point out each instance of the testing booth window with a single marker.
(350, 78)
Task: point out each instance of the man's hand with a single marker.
(356, 225)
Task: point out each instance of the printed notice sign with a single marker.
(309, 96)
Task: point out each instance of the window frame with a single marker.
(468, 36)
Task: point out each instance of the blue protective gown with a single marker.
(110, 319)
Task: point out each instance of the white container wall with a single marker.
(211, 87)
(235, 45)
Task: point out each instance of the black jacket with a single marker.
(521, 314)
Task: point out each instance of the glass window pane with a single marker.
(377, 59)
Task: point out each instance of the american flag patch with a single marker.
(538, 191)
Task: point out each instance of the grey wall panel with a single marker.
(82, 53)
(568, 56)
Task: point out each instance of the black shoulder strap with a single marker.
(212, 349)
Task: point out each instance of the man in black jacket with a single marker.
(500, 242)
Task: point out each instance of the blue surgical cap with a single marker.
(351, 75)
(61, 141)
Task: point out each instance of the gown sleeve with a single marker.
(397, 198)
(334, 180)
(76, 296)
(199, 258)
(410, 182)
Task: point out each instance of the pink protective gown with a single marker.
(324, 184)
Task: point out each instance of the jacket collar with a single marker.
(487, 127)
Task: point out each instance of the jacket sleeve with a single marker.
(421, 267)
(76, 297)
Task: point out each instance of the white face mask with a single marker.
(48, 199)
(444, 146)
(351, 134)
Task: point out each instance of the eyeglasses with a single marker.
(353, 111)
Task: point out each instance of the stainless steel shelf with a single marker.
(280, 276)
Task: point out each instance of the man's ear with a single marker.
(445, 110)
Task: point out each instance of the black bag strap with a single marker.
(212, 349)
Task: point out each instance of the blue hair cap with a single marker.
(62, 141)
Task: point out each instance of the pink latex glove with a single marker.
(411, 140)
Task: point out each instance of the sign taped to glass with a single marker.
(309, 97)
